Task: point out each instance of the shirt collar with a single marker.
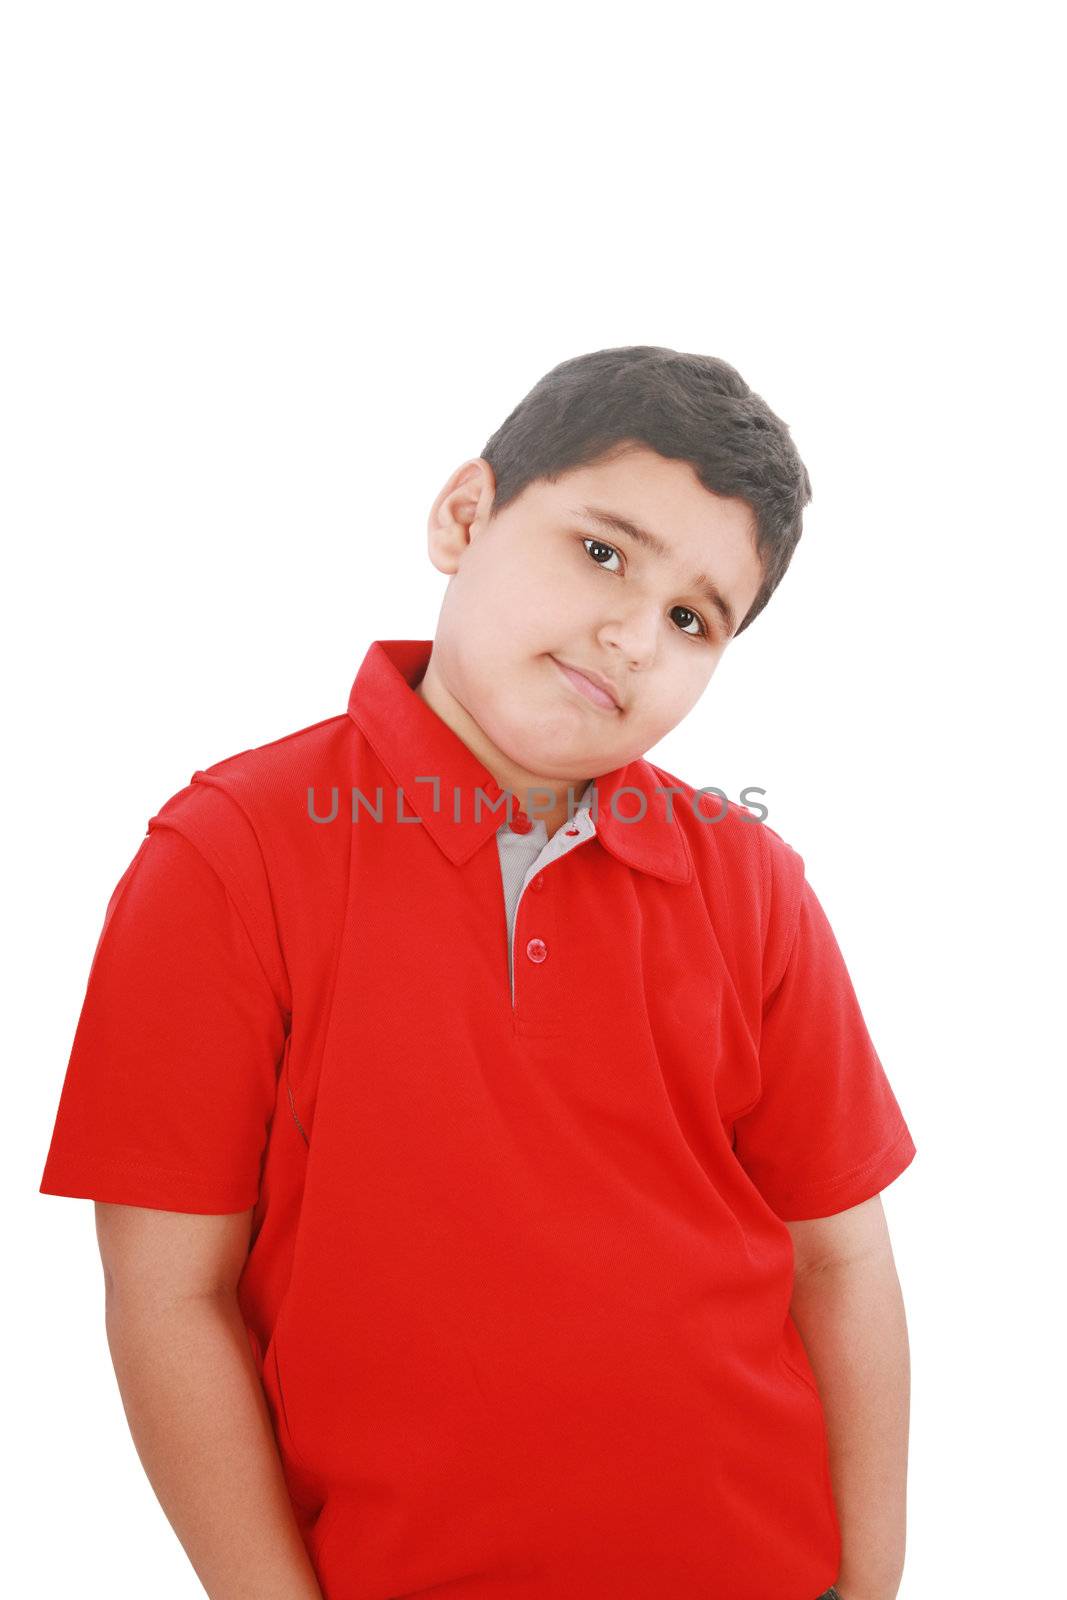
(414, 743)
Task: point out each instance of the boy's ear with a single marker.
(464, 499)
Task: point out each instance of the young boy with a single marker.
(489, 1208)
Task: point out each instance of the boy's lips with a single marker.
(593, 685)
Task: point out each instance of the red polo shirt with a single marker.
(519, 1280)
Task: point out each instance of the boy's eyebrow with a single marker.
(615, 523)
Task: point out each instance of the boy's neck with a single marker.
(510, 777)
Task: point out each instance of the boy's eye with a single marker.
(595, 546)
(598, 545)
(700, 629)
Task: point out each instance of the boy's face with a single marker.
(543, 587)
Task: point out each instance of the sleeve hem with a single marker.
(146, 1186)
(851, 1188)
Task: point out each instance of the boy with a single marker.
(482, 1124)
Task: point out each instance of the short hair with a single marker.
(686, 407)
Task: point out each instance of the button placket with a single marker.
(534, 939)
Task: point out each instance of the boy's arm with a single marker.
(194, 1401)
(849, 1311)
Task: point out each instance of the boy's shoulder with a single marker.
(264, 774)
(247, 814)
(750, 877)
(722, 829)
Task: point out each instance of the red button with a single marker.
(572, 833)
(520, 822)
(537, 950)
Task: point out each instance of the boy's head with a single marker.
(541, 537)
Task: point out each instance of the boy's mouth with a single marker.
(592, 688)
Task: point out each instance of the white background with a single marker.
(272, 272)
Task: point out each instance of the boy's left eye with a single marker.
(592, 545)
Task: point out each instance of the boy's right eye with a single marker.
(598, 544)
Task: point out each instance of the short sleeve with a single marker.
(826, 1132)
(172, 1079)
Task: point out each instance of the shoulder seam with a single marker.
(233, 893)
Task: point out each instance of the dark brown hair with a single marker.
(687, 408)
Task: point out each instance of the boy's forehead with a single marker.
(663, 498)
